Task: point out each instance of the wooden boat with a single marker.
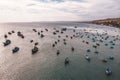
(16, 49)
(7, 42)
(108, 71)
(67, 61)
(34, 50)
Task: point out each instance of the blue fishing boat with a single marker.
(108, 71)
(16, 49)
(7, 42)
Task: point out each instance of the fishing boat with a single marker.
(108, 71)
(105, 60)
(34, 50)
(87, 58)
(7, 42)
(111, 57)
(16, 49)
(67, 61)
(58, 52)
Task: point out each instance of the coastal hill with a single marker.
(114, 22)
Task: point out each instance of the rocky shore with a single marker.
(113, 22)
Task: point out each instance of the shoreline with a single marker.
(107, 24)
(112, 22)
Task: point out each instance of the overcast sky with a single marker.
(57, 10)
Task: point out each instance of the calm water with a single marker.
(46, 65)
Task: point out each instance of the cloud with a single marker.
(57, 10)
(51, 0)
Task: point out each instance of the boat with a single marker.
(96, 52)
(63, 29)
(67, 61)
(16, 49)
(111, 47)
(34, 50)
(106, 44)
(94, 46)
(88, 50)
(108, 71)
(5, 36)
(58, 52)
(7, 42)
(87, 58)
(42, 36)
(111, 57)
(72, 48)
(20, 35)
(104, 60)
(36, 43)
(34, 30)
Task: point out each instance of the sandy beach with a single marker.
(89, 50)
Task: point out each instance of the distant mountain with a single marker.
(114, 22)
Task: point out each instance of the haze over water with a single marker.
(46, 65)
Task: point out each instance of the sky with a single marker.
(57, 10)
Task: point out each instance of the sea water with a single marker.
(46, 65)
